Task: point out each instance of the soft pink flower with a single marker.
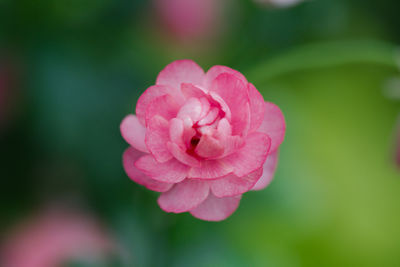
(202, 139)
(53, 238)
(189, 20)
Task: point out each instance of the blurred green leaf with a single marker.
(324, 55)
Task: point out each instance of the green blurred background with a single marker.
(78, 67)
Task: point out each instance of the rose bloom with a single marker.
(202, 139)
(53, 238)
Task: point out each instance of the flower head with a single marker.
(202, 139)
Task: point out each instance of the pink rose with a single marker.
(52, 238)
(202, 139)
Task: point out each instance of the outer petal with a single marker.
(181, 71)
(251, 156)
(169, 172)
(216, 209)
(234, 92)
(156, 139)
(257, 108)
(215, 71)
(184, 196)
(273, 125)
(269, 171)
(128, 159)
(152, 93)
(164, 106)
(210, 169)
(134, 133)
(231, 185)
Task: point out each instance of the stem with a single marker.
(326, 55)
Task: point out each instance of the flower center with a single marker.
(202, 115)
(194, 141)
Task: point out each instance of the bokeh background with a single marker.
(71, 70)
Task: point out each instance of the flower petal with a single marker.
(251, 156)
(268, 173)
(128, 159)
(191, 109)
(273, 125)
(180, 133)
(181, 71)
(176, 130)
(221, 103)
(230, 143)
(224, 127)
(164, 106)
(234, 92)
(257, 108)
(134, 133)
(169, 172)
(215, 71)
(156, 139)
(205, 106)
(210, 117)
(152, 93)
(182, 156)
(184, 196)
(189, 90)
(231, 185)
(210, 169)
(209, 147)
(216, 209)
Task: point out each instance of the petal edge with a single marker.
(216, 209)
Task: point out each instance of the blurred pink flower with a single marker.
(202, 139)
(189, 20)
(53, 238)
